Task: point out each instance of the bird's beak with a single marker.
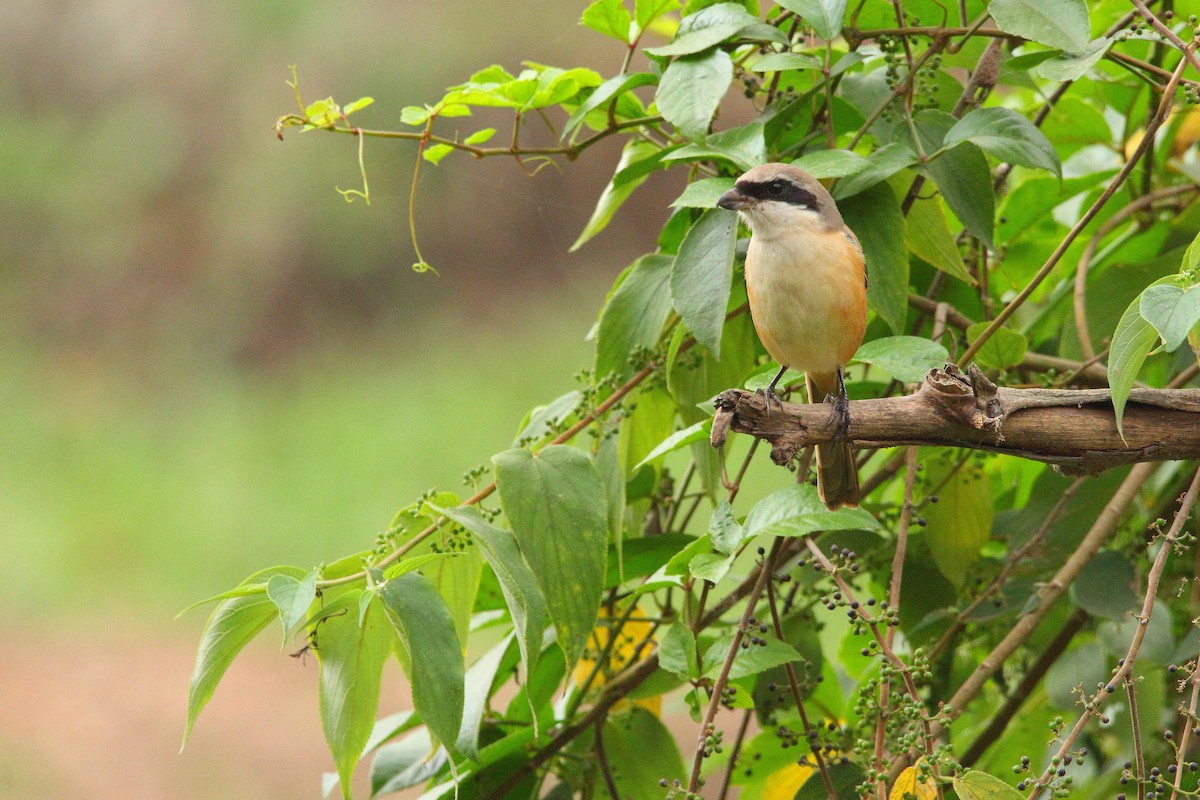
(733, 200)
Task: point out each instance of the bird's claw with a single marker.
(840, 415)
(768, 394)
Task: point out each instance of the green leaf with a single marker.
(845, 778)
(555, 502)
(798, 511)
(638, 160)
(698, 432)
(905, 358)
(642, 750)
(522, 595)
(457, 580)
(1131, 343)
(1105, 587)
(436, 671)
(480, 136)
(230, 627)
(1056, 23)
(1005, 348)
(1067, 67)
(609, 17)
(701, 275)
(1173, 310)
(415, 115)
(646, 11)
(351, 659)
(724, 530)
(544, 420)
(293, 598)
(706, 28)
(780, 62)
(832, 163)
(633, 318)
(976, 785)
(1008, 136)
(881, 165)
(606, 92)
(703, 193)
(479, 681)
(961, 174)
(677, 651)
(408, 762)
(358, 105)
(874, 216)
(436, 152)
(825, 16)
(692, 88)
(750, 660)
(929, 238)
(744, 147)
(960, 523)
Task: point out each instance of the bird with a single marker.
(806, 279)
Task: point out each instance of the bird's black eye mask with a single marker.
(778, 189)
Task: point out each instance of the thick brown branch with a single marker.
(1072, 429)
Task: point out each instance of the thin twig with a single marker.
(1164, 108)
(1166, 543)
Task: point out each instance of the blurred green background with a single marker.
(211, 363)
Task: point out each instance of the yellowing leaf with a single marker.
(633, 633)
(906, 786)
(784, 784)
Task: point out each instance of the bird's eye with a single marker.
(775, 188)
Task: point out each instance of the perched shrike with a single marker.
(807, 283)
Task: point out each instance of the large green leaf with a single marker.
(832, 163)
(1072, 67)
(881, 165)
(677, 651)
(293, 598)
(480, 679)
(640, 751)
(929, 238)
(692, 88)
(749, 660)
(961, 174)
(609, 17)
(638, 160)
(1004, 348)
(703, 193)
(1131, 343)
(976, 785)
(526, 605)
(960, 523)
(435, 658)
(646, 11)
(701, 275)
(825, 16)
(606, 92)
(633, 317)
(1172, 309)
(230, 627)
(905, 358)
(1008, 136)
(556, 504)
(706, 28)
(399, 765)
(798, 511)
(351, 657)
(874, 216)
(1105, 587)
(1056, 23)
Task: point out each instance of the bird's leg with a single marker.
(769, 394)
(841, 407)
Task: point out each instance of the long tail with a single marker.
(837, 477)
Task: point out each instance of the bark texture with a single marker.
(1073, 429)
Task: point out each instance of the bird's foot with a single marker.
(840, 414)
(768, 394)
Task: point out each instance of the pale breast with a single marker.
(807, 298)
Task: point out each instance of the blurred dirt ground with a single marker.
(99, 714)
